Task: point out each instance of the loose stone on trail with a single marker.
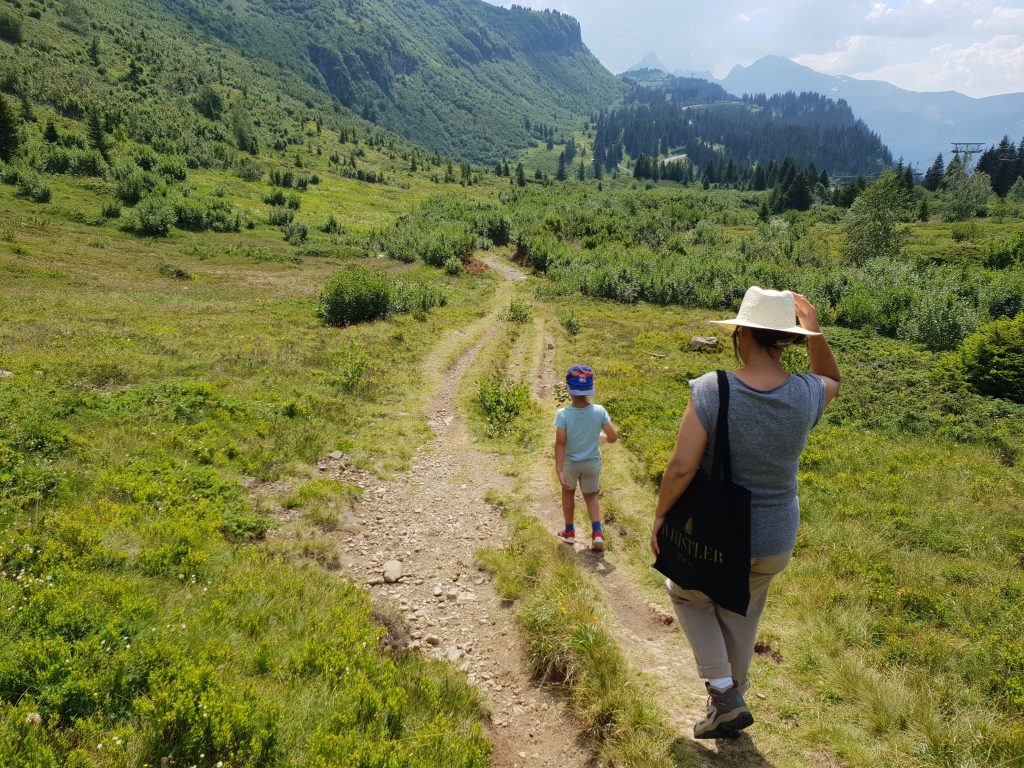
(392, 571)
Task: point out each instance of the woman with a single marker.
(770, 415)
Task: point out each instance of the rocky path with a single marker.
(412, 540)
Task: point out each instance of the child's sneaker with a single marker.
(597, 543)
(567, 537)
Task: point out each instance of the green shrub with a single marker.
(280, 216)
(358, 295)
(111, 211)
(992, 359)
(172, 168)
(10, 26)
(248, 168)
(131, 183)
(416, 297)
(296, 233)
(332, 226)
(191, 214)
(30, 185)
(940, 320)
(964, 230)
(169, 270)
(1005, 252)
(191, 716)
(453, 267)
(519, 312)
(571, 323)
(502, 400)
(154, 216)
(352, 368)
(276, 197)
(355, 295)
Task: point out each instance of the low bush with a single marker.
(154, 217)
(279, 217)
(169, 270)
(248, 168)
(940, 320)
(30, 185)
(519, 312)
(131, 183)
(992, 359)
(358, 295)
(296, 233)
(571, 323)
(502, 400)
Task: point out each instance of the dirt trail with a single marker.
(426, 525)
(431, 520)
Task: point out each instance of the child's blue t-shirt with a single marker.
(582, 430)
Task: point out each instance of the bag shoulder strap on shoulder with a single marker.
(721, 463)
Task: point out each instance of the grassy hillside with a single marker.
(463, 78)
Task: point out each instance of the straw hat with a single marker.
(771, 310)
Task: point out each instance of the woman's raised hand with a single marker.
(806, 313)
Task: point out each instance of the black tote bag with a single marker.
(705, 540)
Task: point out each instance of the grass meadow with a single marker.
(157, 385)
(169, 395)
(898, 626)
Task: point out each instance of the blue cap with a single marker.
(580, 380)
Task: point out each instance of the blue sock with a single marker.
(570, 528)
(596, 527)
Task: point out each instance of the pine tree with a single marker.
(760, 182)
(560, 176)
(8, 131)
(581, 172)
(520, 175)
(50, 132)
(933, 176)
(598, 169)
(97, 136)
(94, 51)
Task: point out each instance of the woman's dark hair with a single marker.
(767, 339)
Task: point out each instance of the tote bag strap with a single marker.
(721, 463)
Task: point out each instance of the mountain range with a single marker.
(916, 126)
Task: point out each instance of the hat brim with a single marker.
(736, 322)
(581, 392)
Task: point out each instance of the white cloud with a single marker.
(974, 46)
(984, 68)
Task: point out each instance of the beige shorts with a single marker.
(585, 474)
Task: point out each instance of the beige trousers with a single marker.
(723, 641)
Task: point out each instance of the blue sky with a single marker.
(972, 46)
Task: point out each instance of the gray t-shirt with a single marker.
(767, 433)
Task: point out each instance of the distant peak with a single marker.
(650, 61)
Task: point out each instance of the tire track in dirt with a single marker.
(411, 541)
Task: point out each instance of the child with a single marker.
(578, 430)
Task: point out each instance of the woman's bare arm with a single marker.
(690, 444)
(819, 353)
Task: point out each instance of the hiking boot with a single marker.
(727, 714)
(568, 537)
(597, 543)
